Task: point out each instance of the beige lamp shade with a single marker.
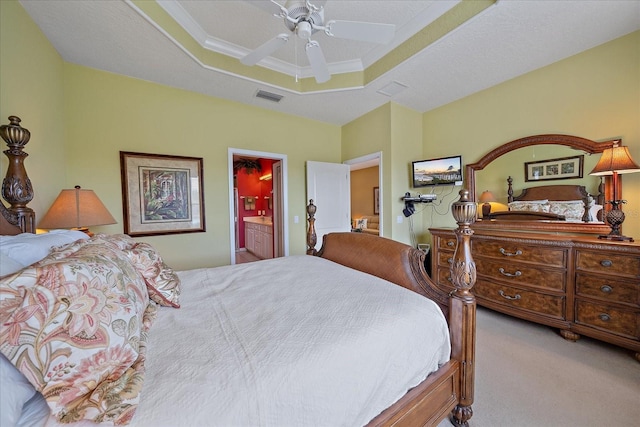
(76, 208)
(615, 159)
(485, 198)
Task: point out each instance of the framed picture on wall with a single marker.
(161, 194)
(376, 200)
(562, 168)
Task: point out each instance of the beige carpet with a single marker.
(527, 375)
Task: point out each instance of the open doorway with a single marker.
(366, 192)
(258, 205)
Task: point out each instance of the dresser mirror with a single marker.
(508, 160)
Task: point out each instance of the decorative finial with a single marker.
(15, 135)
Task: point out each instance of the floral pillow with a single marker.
(573, 210)
(530, 205)
(76, 327)
(115, 242)
(163, 283)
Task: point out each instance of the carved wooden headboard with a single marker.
(16, 186)
(549, 192)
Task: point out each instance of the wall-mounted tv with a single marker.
(442, 171)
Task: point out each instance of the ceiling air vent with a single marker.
(273, 97)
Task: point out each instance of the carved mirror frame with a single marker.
(578, 143)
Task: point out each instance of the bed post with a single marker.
(16, 186)
(312, 238)
(462, 306)
(510, 190)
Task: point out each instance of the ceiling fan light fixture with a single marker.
(304, 30)
(306, 17)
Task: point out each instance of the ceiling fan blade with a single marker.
(363, 31)
(265, 50)
(317, 61)
(269, 6)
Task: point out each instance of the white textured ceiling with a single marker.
(504, 41)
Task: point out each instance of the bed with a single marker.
(301, 335)
(550, 203)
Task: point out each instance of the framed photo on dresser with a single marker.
(161, 194)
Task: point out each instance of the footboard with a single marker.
(450, 389)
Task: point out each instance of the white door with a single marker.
(328, 184)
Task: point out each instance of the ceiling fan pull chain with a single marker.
(295, 55)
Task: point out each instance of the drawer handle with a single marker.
(606, 263)
(606, 289)
(604, 317)
(504, 273)
(504, 252)
(450, 244)
(511, 298)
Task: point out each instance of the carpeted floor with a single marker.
(529, 376)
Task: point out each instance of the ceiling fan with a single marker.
(304, 18)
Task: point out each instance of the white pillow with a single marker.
(16, 391)
(35, 412)
(27, 248)
(9, 265)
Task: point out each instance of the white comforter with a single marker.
(295, 341)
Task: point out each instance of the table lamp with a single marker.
(77, 209)
(615, 161)
(486, 198)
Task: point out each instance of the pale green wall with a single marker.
(406, 146)
(31, 76)
(594, 95)
(396, 131)
(369, 134)
(107, 113)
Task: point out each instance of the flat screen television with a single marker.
(442, 171)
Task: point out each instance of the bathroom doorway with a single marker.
(258, 205)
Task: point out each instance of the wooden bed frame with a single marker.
(449, 390)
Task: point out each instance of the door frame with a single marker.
(371, 160)
(284, 200)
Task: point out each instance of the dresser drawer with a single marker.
(443, 276)
(521, 274)
(608, 289)
(516, 252)
(445, 258)
(615, 320)
(608, 263)
(447, 243)
(550, 305)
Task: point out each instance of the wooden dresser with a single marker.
(579, 284)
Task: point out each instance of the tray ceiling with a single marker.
(442, 50)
